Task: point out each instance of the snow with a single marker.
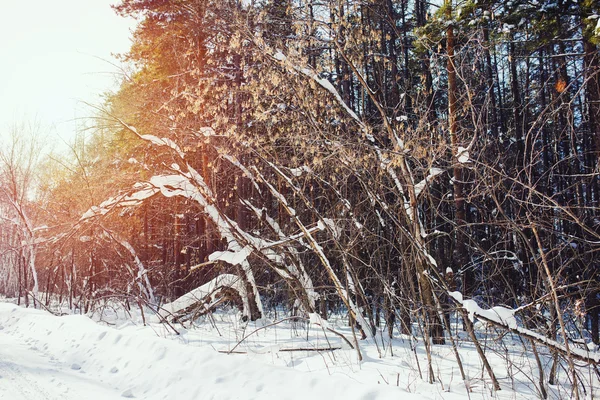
(325, 84)
(431, 260)
(207, 131)
(316, 319)
(47, 357)
(300, 170)
(163, 142)
(72, 357)
(506, 28)
(501, 315)
(191, 185)
(143, 192)
(328, 223)
(462, 155)
(28, 373)
(142, 276)
(191, 298)
(317, 249)
(433, 172)
(231, 257)
(506, 317)
(381, 220)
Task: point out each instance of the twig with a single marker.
(313, 349)
(258, 329)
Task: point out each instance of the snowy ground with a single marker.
(72, 357)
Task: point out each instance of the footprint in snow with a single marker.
(128, 394)
(75, 367)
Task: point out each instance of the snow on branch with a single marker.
(143, 192)
(295, 269)
(462, 155)
(204, 294)
(231, 257)
(405, 168)
(163, 142)
(505, 318)
(325, 84)
(342, 292)
(142, 276)
(152, 139)
(433, 172)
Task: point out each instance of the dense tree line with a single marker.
(376, 155)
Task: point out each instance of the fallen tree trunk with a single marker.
(205, 298)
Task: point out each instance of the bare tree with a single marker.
(19, 158)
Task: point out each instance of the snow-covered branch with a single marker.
(503, 317)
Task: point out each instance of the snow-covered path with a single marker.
(44, 357)
(29, 374)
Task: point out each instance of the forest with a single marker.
(407, 163)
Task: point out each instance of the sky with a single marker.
(56, 55)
